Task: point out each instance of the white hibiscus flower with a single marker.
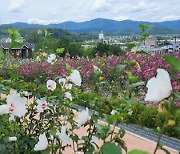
(94, 141)
(75, 77)
(42, 143)
(159, 87)
(12, 139)
(68, 86)
(63, 136)
(65, 85)
(68, 95)
(62, 81)
(51, 85)
(42, 104)
(51, 58)
(83, 117)
(16, 105)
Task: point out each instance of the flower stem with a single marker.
(161, 133)
(113, 131)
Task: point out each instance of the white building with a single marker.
(150, 45)
(101, 36)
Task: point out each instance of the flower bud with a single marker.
(171, 123)
(161, 107)
(101, 78)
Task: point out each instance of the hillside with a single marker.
(108, 26)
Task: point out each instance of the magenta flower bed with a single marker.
(143, 66)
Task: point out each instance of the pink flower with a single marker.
(67, 54)
(178, 104)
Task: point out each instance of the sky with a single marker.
(57, 11)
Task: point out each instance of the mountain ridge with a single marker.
(106, 25)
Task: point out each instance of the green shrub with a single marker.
(137, 108)
(147, 117)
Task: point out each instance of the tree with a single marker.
(108, 49)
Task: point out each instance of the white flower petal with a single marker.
(159, 87)
(68, 86)
(20, 107)
(113, 112)
(75, 77)
(3, 96)
(51, 58)
(26, 93)
(42, 143)
(42, 104)
(63, 136)
(51, 85)
(4, 109)
(94, 141)
(12, 91)
(11, 118)
(83, 117)
(62, 81)
(16, 104)
(68, 95)
(96, 69)
(11, 139)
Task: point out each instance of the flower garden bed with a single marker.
(118, 89)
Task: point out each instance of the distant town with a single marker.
(153, 44)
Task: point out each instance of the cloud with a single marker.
(120, 18)
(45, 11)
(41, 21)
(141, 6)
(16, 5)
(170, 17)
(100, 6)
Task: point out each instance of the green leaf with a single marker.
(15, 38)
(60, 50)
(122, 132)
(102, 131)
(131, 77)
(2, 148)
(173, 62)
(120, 68)
(85, 138)
(68, 68)
(75, 138)
(47, 33)
(113, 118)
(14, 34)
(47, 151)
(137, 152)
(177, 128)
(130, 46)
(110, 148)
(137, 84)
(15, 44)
(14, 76)
(6, 139)
(1, 53)
(143, 52)
(145, 27)
(177, 95)
(88, 152)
